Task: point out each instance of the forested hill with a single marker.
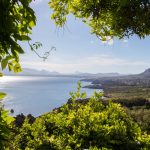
(146, 73)
(142, 79)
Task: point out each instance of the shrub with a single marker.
(77, 126)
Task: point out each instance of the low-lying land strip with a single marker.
(131, 86)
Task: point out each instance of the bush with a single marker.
(133, 102)
(5, 128)
(77, 126)
(92, 125)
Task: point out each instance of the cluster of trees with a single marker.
(141, 116)
(137, 108)
(79, 126)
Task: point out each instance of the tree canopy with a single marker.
(17, 20)
(92, 125)
(120, 18)
(107, 19)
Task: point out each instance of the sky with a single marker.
(77, 50)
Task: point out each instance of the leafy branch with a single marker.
(34, 47)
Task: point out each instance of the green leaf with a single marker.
(10, 66)
(1, 74)
(15, 55)
(32, 24)
(17, 68)
(19, 50)
(2, 95)
(25, 38)
(4, 63)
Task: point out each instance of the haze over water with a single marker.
(37, 95)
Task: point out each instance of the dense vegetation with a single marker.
(5, 125)
(17, 21)
(107, 19)
(127, 92)
(92, 125)
(137, 108)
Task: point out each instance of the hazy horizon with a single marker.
(71, 73)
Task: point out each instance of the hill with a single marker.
(146, 73)
(34, 72)
(137, 85)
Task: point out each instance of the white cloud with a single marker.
(106, 60)
(88, 64)
(125, 41)
(36, 2)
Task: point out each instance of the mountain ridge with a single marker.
(35, 72)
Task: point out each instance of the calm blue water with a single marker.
(37, 95)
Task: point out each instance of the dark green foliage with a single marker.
(5, 121)
(84, 124)
(17, 21)
(121, 18)
(91, 125)
(19, 119)
(2, 95)
(141, 116)
(134, 102)
(5, 128)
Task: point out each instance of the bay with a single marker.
(37, 95)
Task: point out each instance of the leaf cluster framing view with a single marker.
(17, 21)
(115, 18)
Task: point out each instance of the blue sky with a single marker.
(78, 50)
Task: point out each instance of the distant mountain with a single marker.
(97, 74)
(146, 73)
(109, 74)
(33, 72)
(142, 79)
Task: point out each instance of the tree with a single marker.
(92, 125)
(5, 125)
(107, 19)
(17, 21)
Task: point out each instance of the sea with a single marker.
(37, 95)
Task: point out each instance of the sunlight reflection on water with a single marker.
(6, 79)
(35, 94)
